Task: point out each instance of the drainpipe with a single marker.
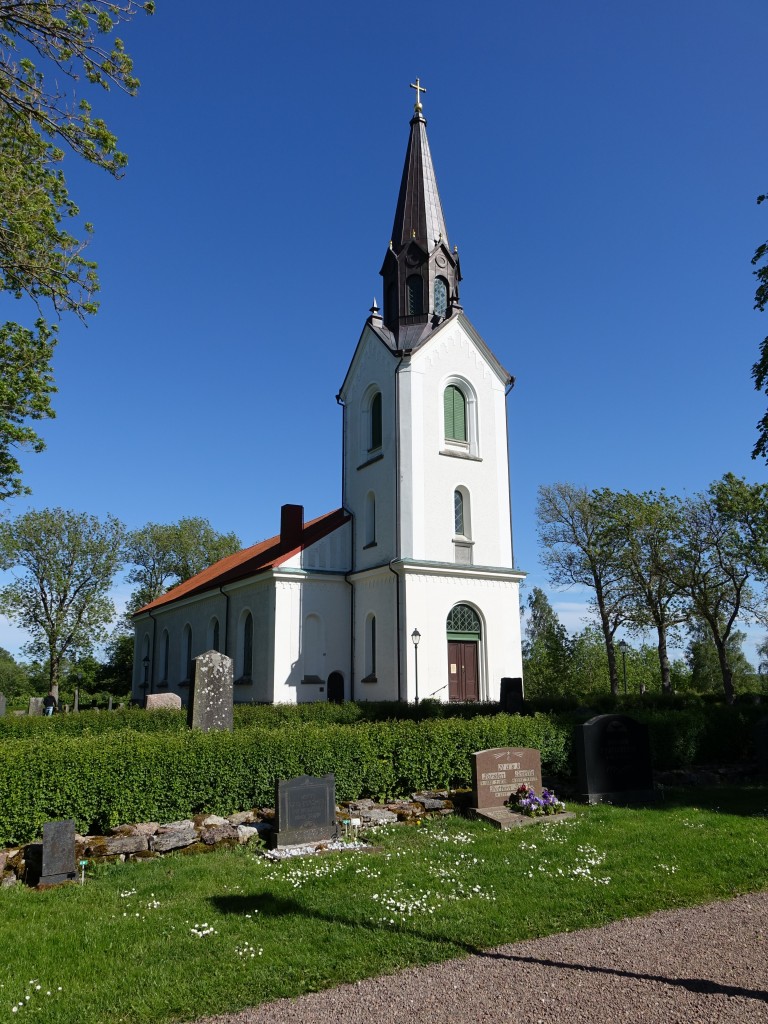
(510, 384)
(347, 580)
(398, 547)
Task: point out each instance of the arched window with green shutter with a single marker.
(455, 406)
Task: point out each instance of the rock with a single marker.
(220, 834)
(3, 859)
(143, 828)
(377, 816)
(246, 833)
(361, 805)
(242, 817)
(114, 846)
(173, 838)
(434, 804)
(8, 881)
(213, 819)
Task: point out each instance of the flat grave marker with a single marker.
(305, 810)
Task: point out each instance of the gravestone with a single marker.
(35, 707)
(53, 860)
(305, 810)
(162, 700)
(613, 760)
(210, 701)
(760, 736)
(497, 773)
(109, 703)
(511, 696)
(2, 704)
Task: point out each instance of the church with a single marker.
(408, 591)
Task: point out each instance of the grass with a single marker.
(177, 938)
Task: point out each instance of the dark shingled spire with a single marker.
(421, 274)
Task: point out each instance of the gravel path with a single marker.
(706, 965)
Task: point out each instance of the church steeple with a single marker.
(421, 274)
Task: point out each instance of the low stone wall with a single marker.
(205, 832)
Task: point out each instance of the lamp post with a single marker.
(623, 645)
(145, 663)
(415, 637)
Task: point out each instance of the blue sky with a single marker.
(598, 165)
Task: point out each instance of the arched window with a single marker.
(213, 634)
(370, 649)
(165, 647)
(455, 408)
(375, 438)
(188, 668)
(441, 296)
(458, 513)
(414, 295)
(246, 647)
(370, 519)
(463, 623)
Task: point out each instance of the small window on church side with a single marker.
(370, 519)
(214, 634)
(441, 296)
(458, 513)
(165, 646)
(247, 646)
(414, 294)
(375, 422)
(370, 649)
(189, 667)
(455, 409)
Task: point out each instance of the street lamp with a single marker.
(415, 637)
(623, 645)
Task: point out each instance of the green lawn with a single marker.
(176, 938)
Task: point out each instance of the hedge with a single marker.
(127, 776)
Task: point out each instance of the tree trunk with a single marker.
(666, 676)
(725, 669)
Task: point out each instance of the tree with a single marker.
(546, 649)
(722, 547)
(760, 368)
(704, 662)
(648, 524)
(14, 678)
(165, 555)
(39, 258)
(583, 548)
(68, 561)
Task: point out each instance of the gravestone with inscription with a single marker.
(497, 774)
(613, 760)
(211, 701)
(35, 707)
(162, 700)
(2, 704)
(53, 860)
(305, 810)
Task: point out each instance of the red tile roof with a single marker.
(253, 560)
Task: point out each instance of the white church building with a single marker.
(409, 590)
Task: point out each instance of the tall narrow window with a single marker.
(370, 649)
(458, 513)
(164, 652)
(370, 519)
(455, 408)
(247, 646)
(376, 422)
(414, 295)
(441, 296)
(189, 668)
(214, 634)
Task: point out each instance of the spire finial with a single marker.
(419, 90)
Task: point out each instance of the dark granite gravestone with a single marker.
(497, 773)
(210, 700)
(53, 860)
(305, 810)
(511, 696)
(760, 737)
(2, 704)
(613, 760)
(35, 707)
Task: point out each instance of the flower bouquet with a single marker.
(526, 802)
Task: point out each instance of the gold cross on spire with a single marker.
(419, 89)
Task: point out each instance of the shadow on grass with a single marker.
(268, 905)
(746, 801)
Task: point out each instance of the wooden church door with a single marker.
(463, 634)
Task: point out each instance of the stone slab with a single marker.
(498, 772)
(114, 846)
(35, 707)
(162, 700)
(505, 819)
(305, 810)
(173, 839)
(211, 697)
(58, 852)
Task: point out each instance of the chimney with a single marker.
(291, 525)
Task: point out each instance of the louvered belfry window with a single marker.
(455, 414)
(414, 289)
